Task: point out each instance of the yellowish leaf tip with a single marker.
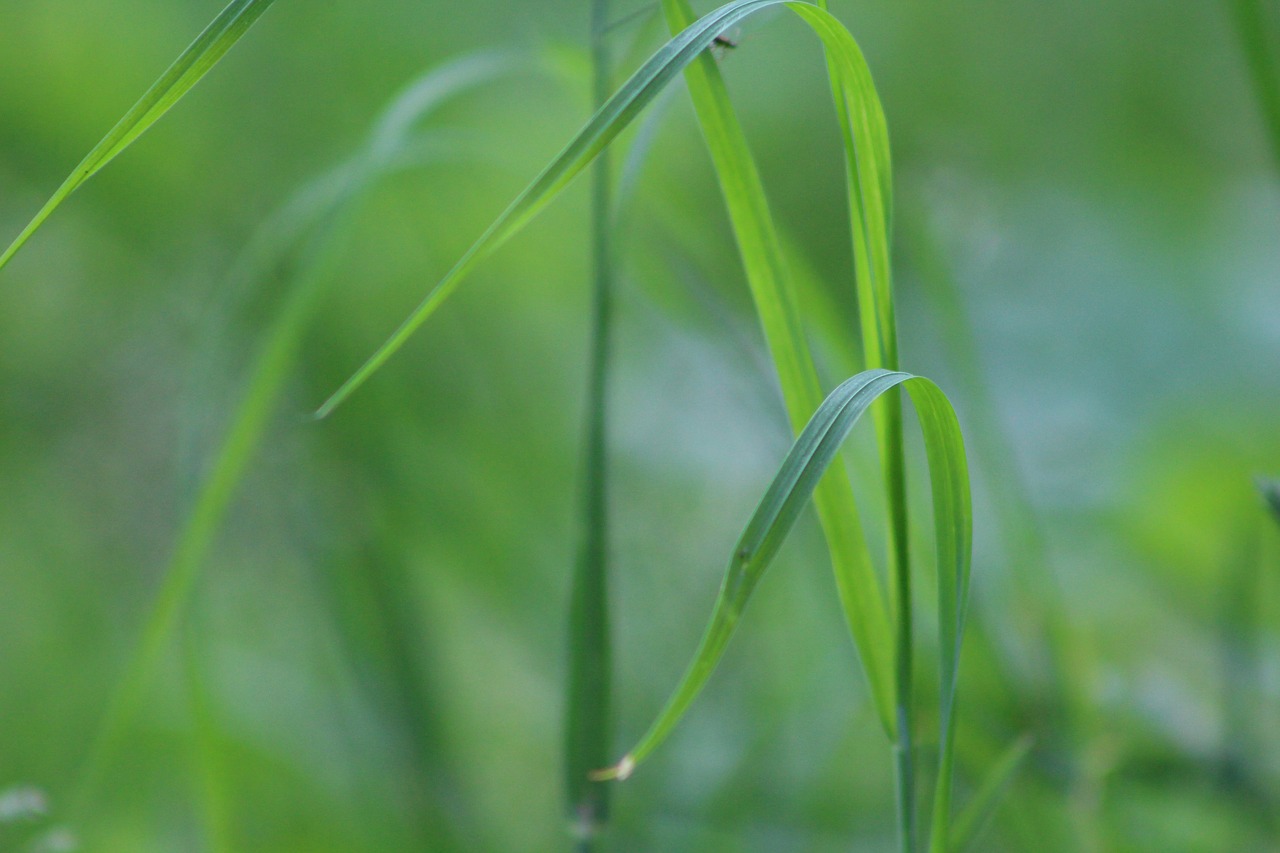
(619, 772)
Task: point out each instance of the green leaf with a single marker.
(187, 70)
(765, 263)
(968, 825)
(798, 477)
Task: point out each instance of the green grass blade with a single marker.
(187, 70)
(303, 239)
(869, 171)
(1066, 664)
(603, 127)
(973, 818)
(797, 479)
(764, 261)
(588, 717)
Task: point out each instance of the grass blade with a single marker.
(187, 70)
(797, 479)
(609, 121)
(588, 722)
(302, 240)
(971, 820)
(764, 261)
(868, 170)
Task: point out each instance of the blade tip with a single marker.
(619, 772)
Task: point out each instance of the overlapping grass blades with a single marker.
(797, 479)
(300, 244)
(888, 663)
(187, 70)
(764, 261)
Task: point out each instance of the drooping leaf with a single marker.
(794, 484)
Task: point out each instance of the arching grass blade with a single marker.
(781, 506)
(765, 264)
(187, 70)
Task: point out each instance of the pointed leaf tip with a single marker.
(619, 772)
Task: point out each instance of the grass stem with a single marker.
(587, 727)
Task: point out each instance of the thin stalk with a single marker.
(588, 723)
(874, 286)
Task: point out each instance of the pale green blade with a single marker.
(196, 61)
(813, 452)
(303, 236)
(764, 261)
(973, 818)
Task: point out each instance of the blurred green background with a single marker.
(1087, 216)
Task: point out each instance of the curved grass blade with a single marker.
(187, 70)
(772, 289)
(869, 172)
(302, 241)
(798, 477)
(973, 818)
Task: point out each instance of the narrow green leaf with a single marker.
(798, 477)
(187, 70)
(764, 261)
(603, 127)
(974, 817)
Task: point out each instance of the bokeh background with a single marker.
(1088, 211)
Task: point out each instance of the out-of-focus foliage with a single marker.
(375, 656)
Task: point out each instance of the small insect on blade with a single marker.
(722, 44)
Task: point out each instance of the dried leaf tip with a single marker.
(619, 772)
